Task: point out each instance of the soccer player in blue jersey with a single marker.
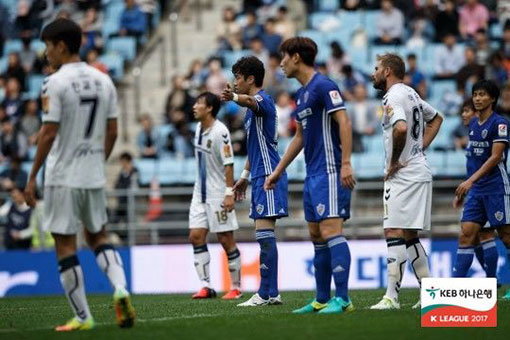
(487, 189)
(324, 131)
(260, 123)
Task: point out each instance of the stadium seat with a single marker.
(35, 83)
(3, 64)
(455, 164)
(316, 36)
(373, 144)
(371, 165)
(169, 171)
(359, 59)
(239, 163)
(124, 46)
(109, 27)
(436, 161)
(496, 31)
(37, 46)
(296, 171)
(163, 132)
(230, 57)
(12, 46)
(440, 87)
(369, 21)
(114, 11)
(328, 5)
(188, 168)
(341, 36)
(146, 170)
(115, 65)
(321, 21)
(283, 143)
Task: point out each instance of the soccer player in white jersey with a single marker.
(212, 205)
(409, 125)
(78, 134)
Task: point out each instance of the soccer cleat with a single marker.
(417, 305)
(205, 293)
(337, 305)
(312, 307)
(75, 325)
(507, 295)
(124, 310)
(233, 294)
(277, 300)
(386, 303)
(254, 301)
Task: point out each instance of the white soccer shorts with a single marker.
(212, 216)
(407, 205)
(66, 210)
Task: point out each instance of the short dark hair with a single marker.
(488, 86)
(63, 30)
(126, 156)
(467, 103)
(393, 62)
(211, 100)
(305, 47)
(411, 56)
(250, 66)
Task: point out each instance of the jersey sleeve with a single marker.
(395, 110)
(500, 131)
(429, 112)
(51, 98)
(223, 145)
(333, 101)
(264, 105)
(112, 107)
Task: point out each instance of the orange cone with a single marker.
(155, 202)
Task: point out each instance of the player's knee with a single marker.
(467, 237)
(196, 239)
(484, 236)
(226, 240)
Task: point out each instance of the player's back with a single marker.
(401, 102)
(81, 99)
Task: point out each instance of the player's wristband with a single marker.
(235, 97)
(245, 174)
(229, 191)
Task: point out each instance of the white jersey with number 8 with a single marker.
(80, 99)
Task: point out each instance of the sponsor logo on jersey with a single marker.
(305, 113)
(209, 142)
(258, 98)
(502, 130)
(336, 98)
(320, 209)
(484, 133)
(499, 215)
(227, 151)
(260, 209)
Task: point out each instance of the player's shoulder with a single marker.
(263, 97)
(54, 81)
(398, 92)
(323, 82)
(98, 75)
(220, 129)
(499, 119)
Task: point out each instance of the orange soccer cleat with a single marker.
(233, 294)
(205, 293)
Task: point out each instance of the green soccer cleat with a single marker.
(124, 310)
(337, 306)
(312, 307)
(75, 325)
(507, 295)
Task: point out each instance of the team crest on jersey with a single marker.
(320, 209)
(502, 130)
(389, 111)
(335, 96)
(484, 133)
(260, 209)
(227, 151)
(499, 215)
(258, 98)
(209, 142)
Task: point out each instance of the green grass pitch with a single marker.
(179, 317)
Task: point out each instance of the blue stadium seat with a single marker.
(440, 87)
(455, 164)
(37, 46)
(109, 28)
(371, 165)
(496, 31)
(359, 59)
(373, 144)
(316, 36)
(124, 46)
(169, 171)
(444, 139)
(328, 5)
(115, 64)
(239, 163)
(3, 64)
(283, 143)
(296, 171)
(341, 36)
(163, 132)
(27, 167)
(114, 11)
(34, 85)
(317, 20)
(230, 57)
(189, 170)
(12, 46)
(369, 21)
(351, 20)
(146, 170)
(376, 50)
(436, 161)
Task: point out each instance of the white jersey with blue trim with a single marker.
(213, 151)
(402, 103)
(80, 99)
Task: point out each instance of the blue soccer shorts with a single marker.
(481, 209)
(270, 204)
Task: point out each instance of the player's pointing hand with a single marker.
(227, 93)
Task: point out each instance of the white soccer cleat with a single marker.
(254, 301)
(417, 305)
(386, 303)
(277, 300)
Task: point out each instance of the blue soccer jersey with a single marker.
(479, 149)
(262, 136)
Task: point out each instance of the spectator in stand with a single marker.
(482, 46)
(284, 109)
(447, 21)
(471, 71)
(416, 79)
(258, 50)
(12, 103)
(13, 143)
(92, 60)
(195, 78)
(275, 80)
(216, 80)
(284, 26)
(179, 99)
(14, 175)
(91, 26)
(251, 30)
(336, 61)
(271, 39)
(472, 16)
(451, 101)
(354, 5)
(228, 31)
(503, 107)
(148, 139)
(363, 114)
(350, 78)
(148, 7)
(133, 21)
(503, 12)
(461, 132)
(30, 122)
(127, 179)
(4, 27)
(16, 214)
(27, 56)
(492, 7)
(15, 70)
(449, 58)
(2, 97)
(495, 70)
(234, 123)
(180, 141)
(390, 25)
(505, 42)
(24, 23)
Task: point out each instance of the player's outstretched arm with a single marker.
(111, 137)
(242, 183)
(431, 130)
(294, 148)
(347, 174)
(498, 150)
(399, 142)
(47, 136)
(243, 100)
